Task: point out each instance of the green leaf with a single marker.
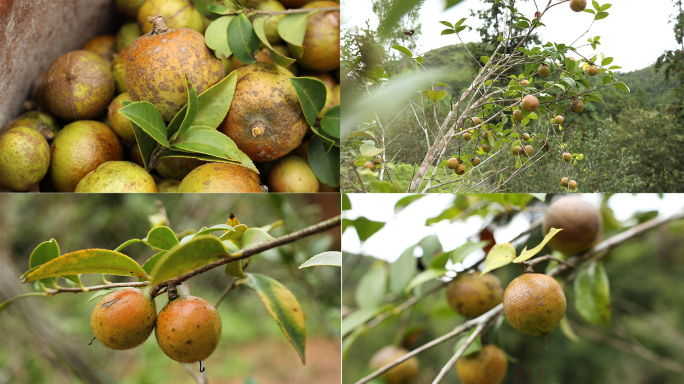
(126, 244)
(527, 254)
(606, 61)
(242, 40)
(190, 110)
(216, 37)
(283, 307)
(424, 277)
(364, 228)
(225, 228)
(402, 50)
(430, 244)
(370, 291)
(146, 144)
(325, 165)
(207, 141)
(475, 346)
(88, 261)
(281, 60)
(622, 86)
(292, 29)
(360, 317)
(346, 203)
(98, 294)
(187, 257)
(459, 254)
(311, 93)
(147, 117)
(5, 304)
(331, 259)
(601, 15)
(254, 236)
(151, 262)
(484, 59)
(212, 105)
(161, 238)
(592, 295)
(331, 122)
(43, 253)
(567, 330)
(498, 256)
(402, 271)
(234, 268)
(434, 95)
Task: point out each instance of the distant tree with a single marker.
(672, 61)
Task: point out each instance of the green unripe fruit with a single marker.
(119, 71)
(126, 36)
(40, 121)
(117, 177)
(578, 5)
(123, 319)
(156, 66)
(529, 150)
(292, 174)
(79, 86)
(526, 136)
(452, 163)
(486, 148)
(177, 167)
(188, 329)
(377, 159)
(78, 149)
(544, 70)
(475, 121)
(475, 161)
(517, 150)
(517, 114)
(592, 70)
(271, 23)
(580, 221)
(564, 182)
(577, 105)
(176, 14)
(573, 184)
(471, 295)
(467, 136)
(530, 103)
(220, 178)
(119, 123)
(559, 119)
(567, 157)
(534, 303)
(168, 186)
(486, 366)
(404, 373)
(24, 159)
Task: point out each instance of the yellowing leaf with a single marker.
(88, 261)
(526, 254)
(498, 256)
(187, 257)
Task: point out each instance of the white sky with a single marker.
(408, 226)
(635, 33)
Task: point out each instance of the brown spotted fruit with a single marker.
(117, 177)
(404, 373)
(157, 63)
(24, 159)
(292, 174)
(102, 45)
(188, 329)
(578, 5)
(42, 122)
(265, 119)
(123, 319)
(220, 178)
(78, 86)
(576, 105)
(580, 221)
(471, 295)
(534, 303)
(78, 149)
(176, 14)
(486, 366)
(119, 123)
(322, 39)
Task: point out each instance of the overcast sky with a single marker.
(635, 33)
(408, 226)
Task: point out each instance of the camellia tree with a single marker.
(187, 328)
(436, 308)
(493, 131)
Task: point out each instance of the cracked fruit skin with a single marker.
(78, 86)
(188, 329)
(404, 373)
(156, 65)
(117, 177)
(322, 39)
(486, 366)
(578, 5)
(220, 177)
(580, 221)
(176, 13)
(265, 119)
(24, 158)
(292, 174)
(120, 124)
(534, 303)
(471, 295)
(79, 148)
(123, 319)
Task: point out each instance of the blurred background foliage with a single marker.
(645, 292)
(45, 340)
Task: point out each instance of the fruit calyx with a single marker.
(258, 129)
(158, 26)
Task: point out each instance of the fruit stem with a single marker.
(158, 26)
(258, 129)
(172, 292)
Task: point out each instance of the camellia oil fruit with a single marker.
(578, 5)
(271, 23)
(471, 295)
(177, 167)
(156, 65)
(24, 159)
(265, 119)
(123, 319)
(120, 124)
(176, 14)
(404, 373)
(220, 178)
(117, 177)
(486, 366)
(78, 86)
(530, 103)
(102, 45)
(79, 148)
(292, 174)
(580, 221)
(534, 303)
(322, 39)
(188, 329)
